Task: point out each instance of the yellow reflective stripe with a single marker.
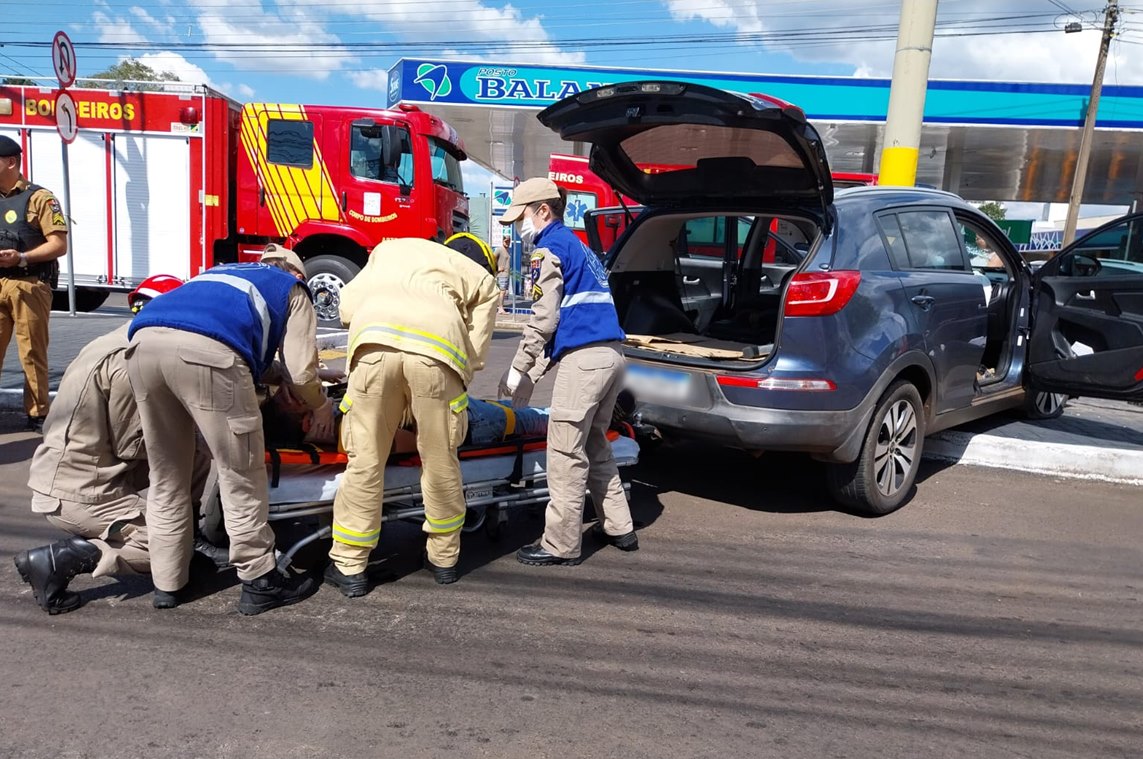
(459, 403)
(354, 533)
(452, 354)
(445, 525)
(345, 405)
(510, 418)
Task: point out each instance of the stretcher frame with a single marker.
(488, 502)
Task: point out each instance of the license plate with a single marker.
(654, 384)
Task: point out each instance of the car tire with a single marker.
(882, 478)
(326, 275)
(1040, 405)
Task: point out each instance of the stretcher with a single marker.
(497, 479)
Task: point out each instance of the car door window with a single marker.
(894, 241)
(931, 241)
(1115, 251)
(983, 249)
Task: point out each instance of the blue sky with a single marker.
(288, 50)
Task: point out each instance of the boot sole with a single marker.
(550, 563)
(250, 610)
(347, 592)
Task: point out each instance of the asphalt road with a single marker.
(998, 614)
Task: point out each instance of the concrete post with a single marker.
(1110, 15)
(907, 93)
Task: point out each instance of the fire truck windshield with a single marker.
(446, 167)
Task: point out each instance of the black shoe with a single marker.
(49, 569)
(443, 575)
(538, 556)
(165, 599)
(218, 555)
(351, 586)
(626, 542)
(272, 590)
(35, 424)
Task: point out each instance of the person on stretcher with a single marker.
(488, 423)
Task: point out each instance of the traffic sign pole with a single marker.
(64, 64)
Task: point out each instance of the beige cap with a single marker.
(530, 191)
(274, 250)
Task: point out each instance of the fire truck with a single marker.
(178, 179)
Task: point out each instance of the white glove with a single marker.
(523, 392)
(509, 382)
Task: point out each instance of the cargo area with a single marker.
(707, 288)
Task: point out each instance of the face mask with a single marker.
(527, 233)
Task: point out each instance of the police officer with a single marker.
(88, 475)
(420, 318)
(195, 356)
(575, 324)
(33, 234)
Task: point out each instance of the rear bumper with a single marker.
(828, 435)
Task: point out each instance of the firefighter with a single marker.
(195, 356)
(420, 318)
(33, 234)
(575, 324)
(88, 474)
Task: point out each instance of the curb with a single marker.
(1084, 462)
(13, 400)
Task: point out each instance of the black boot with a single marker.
(626, 542)
(272, 590)
(538, 556)
(351, 586)
(443, 575)
(35, 424)
(218, 555)
(49, 569)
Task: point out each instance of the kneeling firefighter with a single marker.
(88, 475)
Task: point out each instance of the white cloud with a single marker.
(177, 65)
(116, 30)
(155, 25)
(370, 80)
(1051, 56)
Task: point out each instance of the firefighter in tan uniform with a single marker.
(420, 318)
(575, 324)
(88, 475)
(33, 234)
(195, 356)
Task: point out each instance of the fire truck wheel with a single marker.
(327, 275)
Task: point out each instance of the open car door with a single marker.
(1087, 328)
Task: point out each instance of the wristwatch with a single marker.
(23, 261)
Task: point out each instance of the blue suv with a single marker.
(765, 313)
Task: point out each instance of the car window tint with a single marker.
(1115, 251)
(931, 240)
(891, 230)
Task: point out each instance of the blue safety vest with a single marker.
(243, 306)
(587, 311)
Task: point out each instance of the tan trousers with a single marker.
(182, 380)
(117, 528)
(579, 454)
(25, 306)
(384, 387)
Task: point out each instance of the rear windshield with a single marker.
(677, 147)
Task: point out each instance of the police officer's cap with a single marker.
(471, 246)
(9, 147)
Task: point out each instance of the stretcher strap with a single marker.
(275, 467)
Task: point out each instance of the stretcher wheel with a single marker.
(493, 528)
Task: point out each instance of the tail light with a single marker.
(773, 383)
(820, 293)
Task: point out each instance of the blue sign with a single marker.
(822, 98)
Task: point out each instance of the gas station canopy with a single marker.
(983, 140)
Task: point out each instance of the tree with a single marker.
(128, 75)
(993, 210)
(16, 81)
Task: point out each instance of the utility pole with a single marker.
(907, 93)
(1110, 16)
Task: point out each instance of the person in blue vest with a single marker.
(194, 359)
(574, 325)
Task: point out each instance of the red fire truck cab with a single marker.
(176, 180)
